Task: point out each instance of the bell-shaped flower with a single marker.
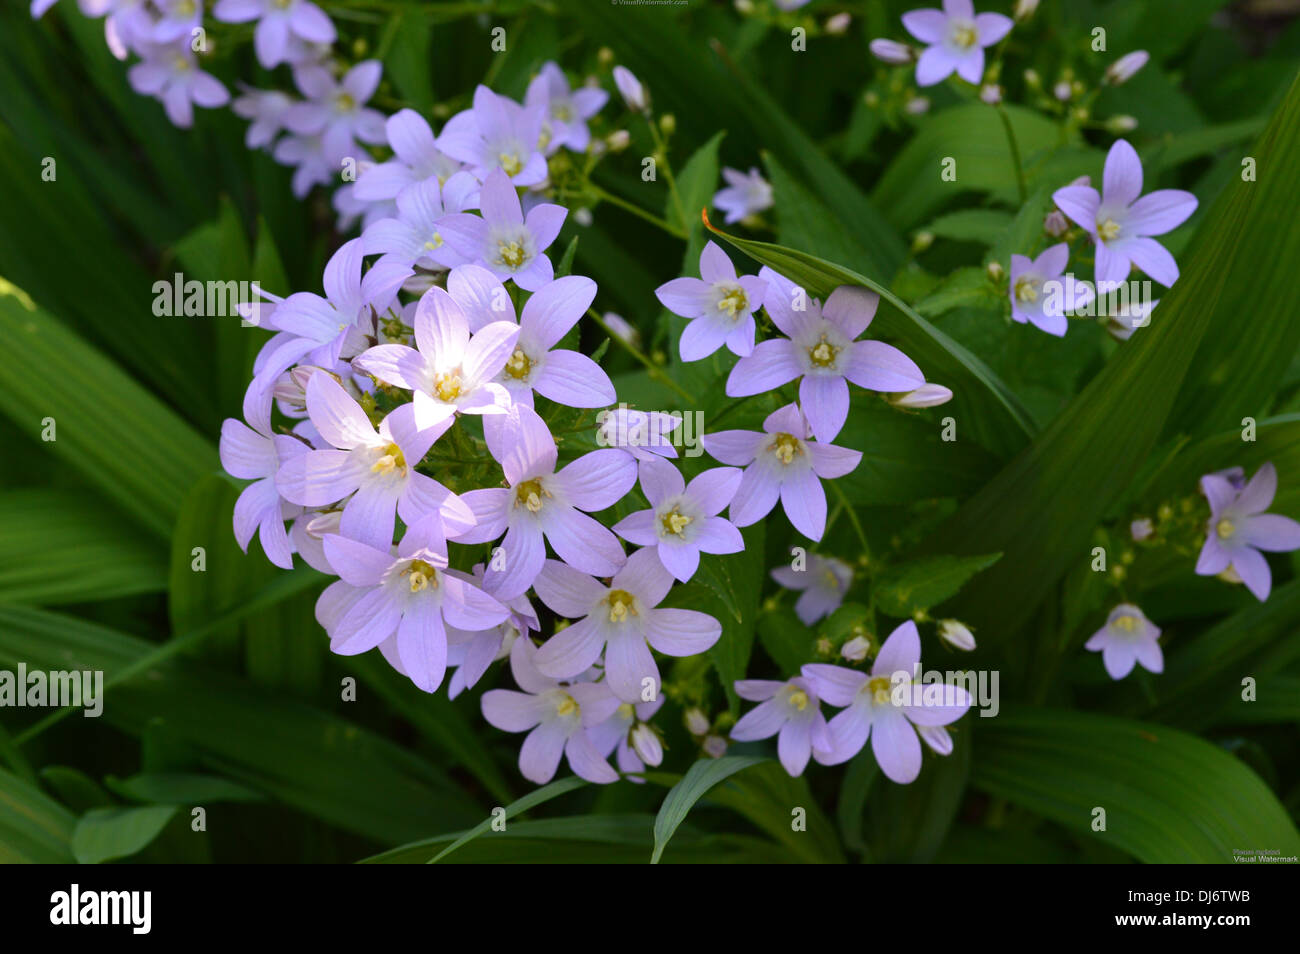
(1127, 638)
(823, 579)
(566, 110)
(789, 710)
(1238, 529)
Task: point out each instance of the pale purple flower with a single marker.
(643, 434)
(171, 75)
(411, 594)
(472, 652)
(449, 370)
(824, 581)
(1039, 293)
(250, 455)
(892, 52)
(956, 38)
(622, 329)
(745, 194)
(541, 503)
(176, 19)
(506, 243)
(927, 395)
(1121, 224)
(557, 718)
(1238, 529)
(416, 158)
(820, 348)
(277, 22)
(335, 109)
(628, 733)
(412, 237)
(888, 706)
(630, 88)
(497, 134)
(789, 710)
(265, 109)
(566, 110)
(720, 305)
(1127, 638)
(375, 467)
(957, 635)
(1126, 67)
(1129, 317)
(624, 620)
(782, 462)
(683, 520)
(307, 155)
(1141, 529)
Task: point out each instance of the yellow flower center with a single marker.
(510, 163)
(448, 386)
(568, 706)
(530, 494)
(344, 103)
(1224, 528)
(799, 699)
(391, 461)
(964, 37)
(674, 522)
(512, 254)
(434, 243)
(1126, 623)
(823, 353)
(562, 112)
(733, 303)
(1026, 291)
(421, 576)
(621, 605)
(519, 365)
(626, 711)
(786, 447)
(1107, 230)
(878, 686)
(184, 8)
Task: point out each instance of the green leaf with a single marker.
(696, 183)
(701, 777)
(963, 288)
(906, 588)
(108, 427)
(767, 795)
(105, 834)
(907, 824)
(971, 225)
(1169, 797)
(181, 788)
(1040, 511)
(991, 410)
(33, 827)
(531, 800)
(60, 546)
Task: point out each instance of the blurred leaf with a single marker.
(108, 427)
(531, 800)
(906, 588)
(768, 796)
(702, 776)
(105, 834)
(34, 829)
(970, 225)
(178, 788)
(1168, 796)
(907, 824)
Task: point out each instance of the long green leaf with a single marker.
(33, 827)
(701, 777)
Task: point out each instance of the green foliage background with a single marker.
(222, 690)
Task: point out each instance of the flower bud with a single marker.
(715, 746)
(856, 649)
(1056, 224)
(936, 737)
(668, 124)
(618, 140)
(891, 52)
(1024, 10)
(957, 635)
(646, 744)
(605, 56)
(917, 106)
(996, 271)
(1126, 67)
(838, 24)
(1063, 91)
(582, 217)
(745, 6)
(921, 241)
(633, 93)
(697, 723)
(1121, 124)
(927, 395)
(991, 93)
(1032, 80)
(1141, 529)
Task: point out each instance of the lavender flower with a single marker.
(956, 37)
(557, 718)
(1032, 303)
(644, 435)
(820, 348)
(824, 581)
(781, 462)
(171, 75)
(1127, 638)
(335, 109)
(472, 652)
(375, 466)
(249, 455)
(683, 520)
(542, 503)
(791, 711)
(1121, 224)
(497, 134)
(620, 619)
(1238, 529)
(411, 594)
(416, 158)
(413, 238)
(629, 733)
(720, 305)
(887, 706)
(509, 245)
(277, 22)
(265, 109)
(745, 195)
(630, 88)
(566, 110)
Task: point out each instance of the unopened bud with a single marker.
(1033, 80)
(697, 723)
(891, 52)
(936, 737)
(957, 635)
(618, 140)
(646, 744)
(1056, 224)
(838, 24)
(668, 124)
(1024, 10)
(856, 649)
(1063, 91)
(917, 106)
(1121, 124)
(634, 94)
(715, 746)
(991, 93)
(996, 271)
(927, 395)
(921, 241)
(1141, 529)
(1126, 67)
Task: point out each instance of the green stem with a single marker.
(636, 210)
(655, 370)
(1015, 153)
(661, 149)
(853, 518)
